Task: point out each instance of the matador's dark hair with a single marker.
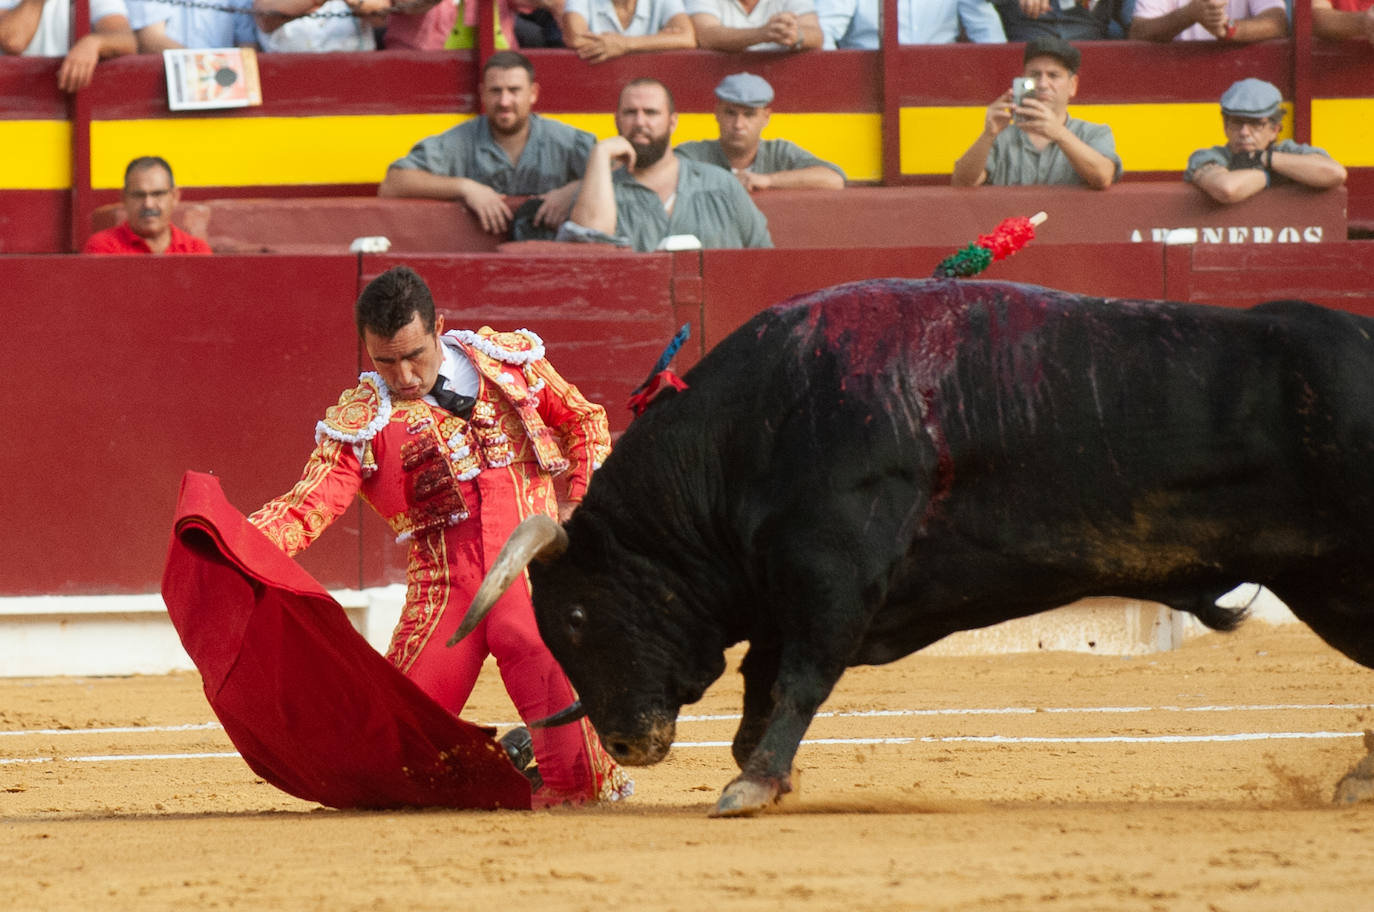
(391, 301)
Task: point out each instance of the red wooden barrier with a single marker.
(224, 364)
(212, 363)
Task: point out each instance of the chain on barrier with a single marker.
(248, 10)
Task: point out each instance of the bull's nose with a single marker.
(632, 750)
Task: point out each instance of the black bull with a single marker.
(856, 473)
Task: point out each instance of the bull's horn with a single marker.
(537, 536)
(570, 713)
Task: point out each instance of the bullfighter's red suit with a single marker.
(454, 489)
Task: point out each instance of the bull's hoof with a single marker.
(1358, 784)
(745, 798)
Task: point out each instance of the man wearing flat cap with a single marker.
(1254, 157)
(1035, 141)
(743, 107)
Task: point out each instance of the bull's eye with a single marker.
(577, 619)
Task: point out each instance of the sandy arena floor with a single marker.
(1111, 785)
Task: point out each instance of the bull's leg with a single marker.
(829, 548)
(760, 671)
(1334, 609)
(766, 775)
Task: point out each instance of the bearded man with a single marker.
(507, 151)
(636, 188)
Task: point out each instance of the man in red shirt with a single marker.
(149, 198)
(1340, 19)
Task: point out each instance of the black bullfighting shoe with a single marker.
(519, 747)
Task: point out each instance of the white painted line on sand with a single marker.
(114, 758)
(683, 745)
(1078, 739)
(1032, 710)
(123, 730)
(852, 714)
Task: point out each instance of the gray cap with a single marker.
(745, 89)
(1056, 47)
(1251, 98)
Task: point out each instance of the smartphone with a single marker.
(1021, 86)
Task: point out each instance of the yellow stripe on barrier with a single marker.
(266, 151)
(1344, 127)
(37, 154)
(1149, 137)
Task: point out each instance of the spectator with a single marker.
(161, 26)
(855, 23)
(1072, 20)
(342, 25)
(656, 193)
(600, 30)
(507, 151)
(755, 25)
(1252, 159)
(742, 111)
(1239, 21)
(43, 28)
(427, 25)
(149, 196)
(1044, 145)
(538, 23)
(1343, 19)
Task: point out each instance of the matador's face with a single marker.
(409, 361)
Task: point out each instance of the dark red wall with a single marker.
(135, 371)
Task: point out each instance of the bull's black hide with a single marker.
(859, 472)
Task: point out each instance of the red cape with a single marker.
(313, 708)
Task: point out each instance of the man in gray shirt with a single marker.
(1254, 157)
(507, 151)
(1044, 145)
(743, 107)
(657, 193)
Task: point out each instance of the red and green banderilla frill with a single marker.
(1007, 238)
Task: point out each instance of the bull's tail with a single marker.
(1224, 617)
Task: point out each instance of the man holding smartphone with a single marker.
(1033, 140)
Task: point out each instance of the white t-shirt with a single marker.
(1236, 9)
(732, 15)
(54, 35)
(319, 34)
(649, 18)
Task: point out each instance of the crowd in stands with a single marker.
(635, 189)
(599, 30)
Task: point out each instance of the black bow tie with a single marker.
(450, 401)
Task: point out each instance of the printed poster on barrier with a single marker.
(212, 78)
